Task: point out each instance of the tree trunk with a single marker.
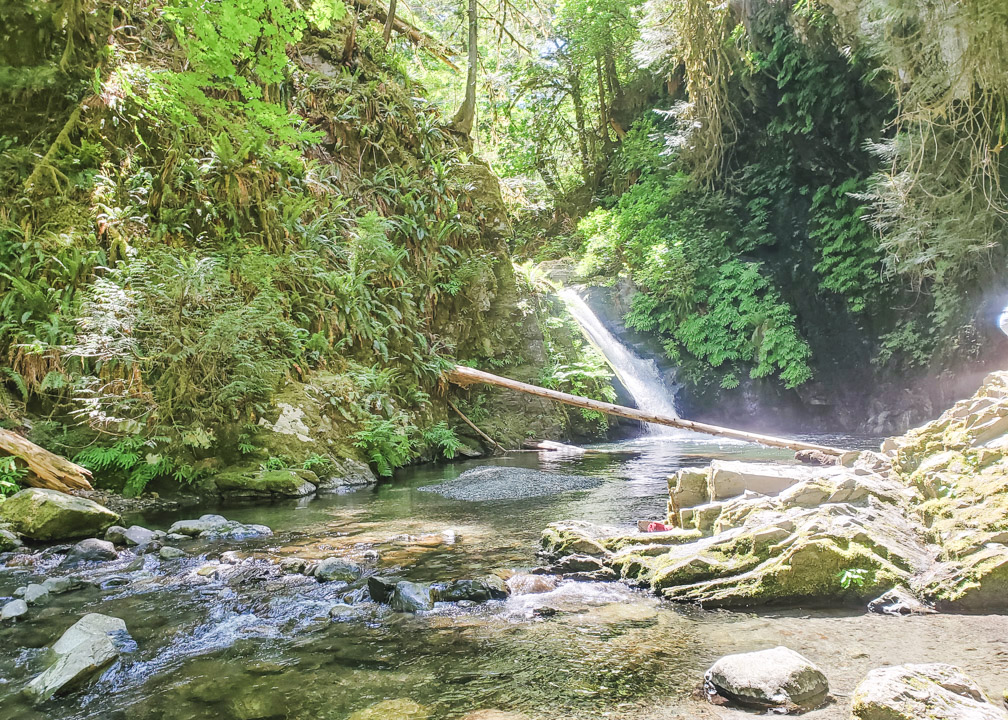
(389, 22)
(603, 108)
(48, 470)
(465, 376)
(463, 120)
(579, 121)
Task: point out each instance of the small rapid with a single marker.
(639, 376)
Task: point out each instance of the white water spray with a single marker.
(639, 376)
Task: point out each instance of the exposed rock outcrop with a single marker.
(929, 513)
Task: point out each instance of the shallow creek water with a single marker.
(237, 637)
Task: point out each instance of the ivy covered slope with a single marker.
(807, 215)
(239, 247)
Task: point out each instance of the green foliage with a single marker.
(386, 443)
(136, 461)
(10, 475)
(851, 261)
(854, 577)
(442, 439)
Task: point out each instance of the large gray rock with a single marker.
(775, 678)
(218, 527)
(410, 597)
(192, 528)
(346, 473)
(911, 692)
(42, 514)
(134, 535)
(91, 550)
(59, 585)
(336, 568)
(36, 594)
(91, 644)
(13, 610)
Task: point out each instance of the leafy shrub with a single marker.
(386, 443)
(135, 460)
(442, 439)
(10, 475)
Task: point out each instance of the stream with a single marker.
(227, 632)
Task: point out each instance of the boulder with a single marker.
(36, 594)
(410, 597)
(42, 514)
(218, 527)
(398, 709)
(170, 553)
(910, 692)
(13, 610)
(91, 644)
(193, 528)
(346, 473)
(91, 550)
(336, 568)
(134, 535)
(60, 585)
(776, 678)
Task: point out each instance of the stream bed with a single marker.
(230, 631)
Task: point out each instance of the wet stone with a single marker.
(36, 594)
(336, 568)
(91, 550)
(381, 588)
(398, 709)
(899, 602)
(13, 610)
(170, 553)
(529, 584)
(60, 585)
(411, 597)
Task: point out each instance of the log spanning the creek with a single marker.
(465, 376)
(48, 470)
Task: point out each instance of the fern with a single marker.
(442, 439)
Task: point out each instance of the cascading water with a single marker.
(639, 376)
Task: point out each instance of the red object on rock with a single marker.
(656, 527)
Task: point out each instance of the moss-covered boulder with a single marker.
(41, 514)
(284, 483)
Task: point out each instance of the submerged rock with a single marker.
(410, 597)
(91, 644)
(398, 709)
(60, 585)
(910, 692)
(336, 568)
(776, 678)
(42, 514)
(490, 587)
(91, 550)
(13, 610)
(509, 483)
(218, 527)
(170, 553)
(381, 588)
(529, 584)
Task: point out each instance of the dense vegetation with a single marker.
(202, 204)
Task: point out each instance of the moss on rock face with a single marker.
(42, 514)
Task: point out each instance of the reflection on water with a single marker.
(236, 636)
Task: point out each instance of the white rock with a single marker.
(775, 678)
(85, 648)
(36, 594)
(13, 610)
(909, 692)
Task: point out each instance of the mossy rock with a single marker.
(288, 483)
(42, 514)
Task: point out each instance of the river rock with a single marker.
(336, 568)
(13, 610)
(381, 588)
(134, 535)
(494, 714)
(60, 585)
(410, 597)
(774, 678)
(346, 473)
(91, 644)
(91, 550)
(170, 553)
(192, 528)
(398, 709)
(911, 692)
(42, 514)
(529, 584)
(36, 594)
(234, 530)
(9, 540)
(490, 587)
(899, 601)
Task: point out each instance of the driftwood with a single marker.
(464, 376)
(490, 441)
(48, 470)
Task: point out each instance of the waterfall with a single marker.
(639, 376)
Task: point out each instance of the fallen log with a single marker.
(464, 376)
(47, 470)
(408, 30)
